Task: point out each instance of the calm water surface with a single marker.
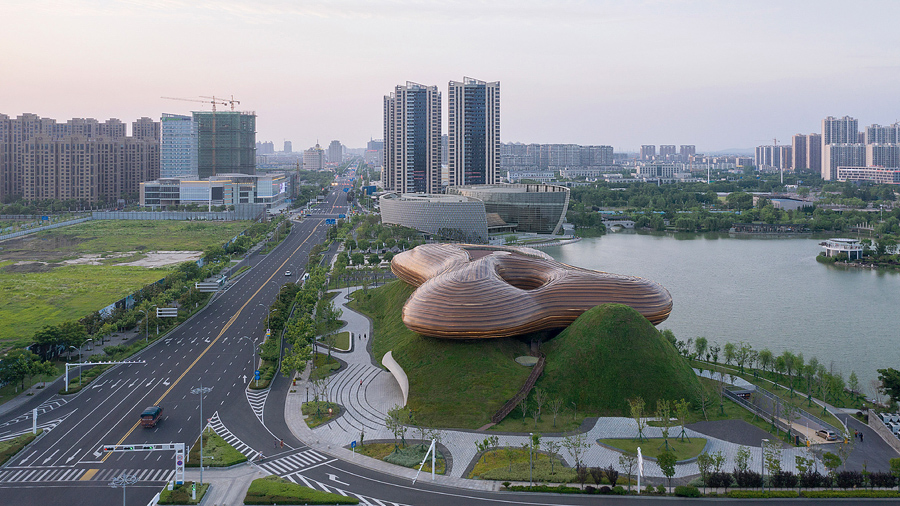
(769, 292)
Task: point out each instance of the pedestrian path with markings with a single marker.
(215, 423)
(257, 400)
(317, 485)
(295, 462)
(56, 474)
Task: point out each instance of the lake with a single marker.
(769, 292)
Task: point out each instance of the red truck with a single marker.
(150, 417)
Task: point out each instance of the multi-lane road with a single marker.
(66, 465)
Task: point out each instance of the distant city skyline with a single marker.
(716, 75)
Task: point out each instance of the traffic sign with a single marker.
(166, 312)
(353, 444)
(256, 375)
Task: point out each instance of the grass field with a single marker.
(512, 464)
(216, 452)
(104, 236)
(36, 294)
(10, 447)
(275, 490)
(28, 301)
(413, 455)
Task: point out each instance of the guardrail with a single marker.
(523, 392)
(47, 227)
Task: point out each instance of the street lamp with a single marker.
(201, 391)
(252, 364)
(762, 458)
(146, 323)
(123, 481)
(268, 312)
(531, 458)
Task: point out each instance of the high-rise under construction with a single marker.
(226, 142)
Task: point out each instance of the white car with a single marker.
(287, 273)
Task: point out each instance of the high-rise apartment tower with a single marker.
(473, 139)
(412, 139)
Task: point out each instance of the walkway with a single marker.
(367, 392)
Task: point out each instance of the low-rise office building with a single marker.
(224, 189)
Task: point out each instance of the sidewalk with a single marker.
(367, 392)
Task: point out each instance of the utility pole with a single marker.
(201, 391)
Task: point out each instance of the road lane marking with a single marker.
(88, 475)
(225, 328)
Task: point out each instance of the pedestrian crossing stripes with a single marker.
(257, 400)
(316, 485)
(215, 423)
(293, 463)
(44, 474)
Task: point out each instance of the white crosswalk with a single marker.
(296, 462)
(215, 423)
(316, 485)
(257, 400)
(44, 474)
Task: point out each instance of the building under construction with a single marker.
(226, 142)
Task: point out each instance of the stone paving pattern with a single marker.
(367, 392)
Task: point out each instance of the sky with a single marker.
(717, 74)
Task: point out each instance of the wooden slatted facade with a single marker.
(476, 292)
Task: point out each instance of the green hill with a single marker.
(610, 354)
(452, 383)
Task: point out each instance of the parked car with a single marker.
(150, 417)
(827, 435)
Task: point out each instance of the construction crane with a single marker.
(214, 101)
(230, 102)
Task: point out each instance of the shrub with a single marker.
(719, 480)
(596, 475)
(849, 479)
(756, 494)
(619, 490)
(784, 479)
(589, 489)
(661, 489)
(605, 490)
(882, 480)
(612, 475)
(686, 491)
(868, 494)
(814, 479)
(649, 490)
(748, 479)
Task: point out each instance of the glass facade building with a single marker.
(473, 143)
(538, 208)
(178, 146)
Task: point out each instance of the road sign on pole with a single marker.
(166, 312)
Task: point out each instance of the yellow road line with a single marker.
(88, 475)
(224, 329)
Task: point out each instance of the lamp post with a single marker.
(762, 458)
(201, 391)
(531, 458)
(123, 481)
(252, 364)
(268, 313)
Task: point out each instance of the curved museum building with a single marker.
(539, 208)
(453, 217)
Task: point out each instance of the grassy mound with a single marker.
(611, 354)
(275, 490)
(451, 383)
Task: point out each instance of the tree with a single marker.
(730, 353)
(664, 415)
(540, 397)
(743, 354)
(853, 383)
(895, 470)
(832, 462)
(890, 383)
(18, 365)
(46, 369)
(373, 259)
(295, 360)
(576, 446)
(666, 461)
(394, 423)
(682, 408)
(704, 465)
(700, 346)
(553, 449)
(637, 413)
(766, 359)
(555, 406)
(628, 461)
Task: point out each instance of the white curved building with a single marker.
(451, 217)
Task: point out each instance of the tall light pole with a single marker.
(268, 312)
(762, 458)
(123, 481)
(252, 364)
(531, 458)
(201, 391)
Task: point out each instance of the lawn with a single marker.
(652, 447)
(511, 464)
(275, 490)
(28, 301)
(13, 446)
(411, 456)
(181, 494)
(103, 236)
(222, 453)
(342, 341)
(319, 413)
(483, 371)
